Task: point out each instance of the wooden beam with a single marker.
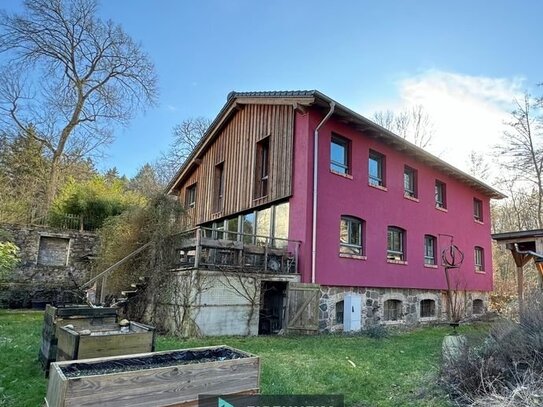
(520, 258)
(300, 108)
(539, 249)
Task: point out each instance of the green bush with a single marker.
(94, 201)
(9, 254)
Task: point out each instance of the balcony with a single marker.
(215, 249)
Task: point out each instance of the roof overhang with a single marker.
(300, 100)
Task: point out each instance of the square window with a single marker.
(392, 310)
(376, 169)
(410, 182)
(350, 236)
(441, 195)
(427, 308)
(53, 251)
(339, 155)
(477, 209)
(190, 196)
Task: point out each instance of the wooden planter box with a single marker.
(158, 379)
(108, 340)
(81, 317)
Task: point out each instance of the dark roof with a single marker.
(274, 94)
(316, 98)
(521, 234)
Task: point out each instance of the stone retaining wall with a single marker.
(47, 257)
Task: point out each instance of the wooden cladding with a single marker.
(248, 164)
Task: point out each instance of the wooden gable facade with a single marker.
(227, 175)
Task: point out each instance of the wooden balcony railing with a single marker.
(234, 251)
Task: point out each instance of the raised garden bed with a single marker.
(107, 340)
(158, 379)
(81, 317)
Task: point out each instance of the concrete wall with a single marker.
(221, 303)
(226, 309)
(47, 256)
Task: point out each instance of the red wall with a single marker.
(342, 196)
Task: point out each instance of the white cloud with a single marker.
(468, 111)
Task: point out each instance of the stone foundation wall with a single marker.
(373, 305)
(47, 257)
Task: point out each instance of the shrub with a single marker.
(507, 362)
(9, 254)
(377, 332)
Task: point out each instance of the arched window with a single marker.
(478, 307)
(430, 246)
(393, 310)
(427, 308)
(479, 255)
(396, 243)
(351, 235)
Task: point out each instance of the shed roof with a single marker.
(301, 98)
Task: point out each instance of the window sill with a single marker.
(379, 187)
(411, 198)
(348, 176)
(400, 262)
(397, 322)
(353, 256)
(439, 208)
(430, 266)
(480, 271)
(480, 222)
(427, 319)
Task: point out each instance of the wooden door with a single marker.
(302, 316)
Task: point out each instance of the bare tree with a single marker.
(71, 76)
(477, 165)
(522, 148)
(413, 124)
(186, 137)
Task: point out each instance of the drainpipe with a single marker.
(315, 187)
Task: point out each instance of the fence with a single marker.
(58, 221)
(233, 251)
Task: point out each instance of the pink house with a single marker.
(365, 213)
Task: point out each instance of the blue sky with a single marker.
(368, 55)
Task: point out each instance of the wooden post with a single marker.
(198, 253)
(103, 289)
(266, 255)
(520, 260)
(449, 296)
(520, 289)
(296, 251)
(539, 250)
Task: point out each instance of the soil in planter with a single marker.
(183, 357)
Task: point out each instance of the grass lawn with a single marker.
(396, 371)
